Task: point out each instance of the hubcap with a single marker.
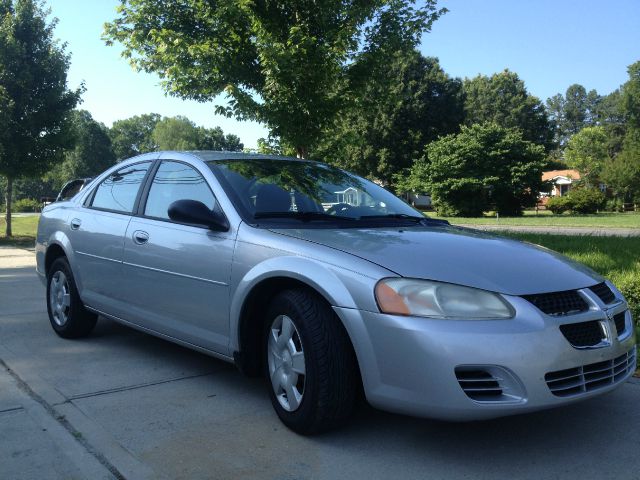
(59, 298)
(286, 363)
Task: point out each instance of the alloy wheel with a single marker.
(59, 298)
(286, 363)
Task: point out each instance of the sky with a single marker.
(550, 44)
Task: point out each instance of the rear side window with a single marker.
(119, 190)
(176, 181)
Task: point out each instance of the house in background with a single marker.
(562, 180)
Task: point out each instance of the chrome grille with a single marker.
(479, 385)
(619, 320)
(587, 378)
(559, 303)
(603, 292)
(583, 334)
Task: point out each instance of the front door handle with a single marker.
(75, 223)
(140, 237)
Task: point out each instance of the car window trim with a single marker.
(88, 203)
(147, 188)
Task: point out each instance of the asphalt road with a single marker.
(122, 404)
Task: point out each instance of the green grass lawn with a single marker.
(547, 219)
(24, 231)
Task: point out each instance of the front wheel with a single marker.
(67, 314)
(310, 364)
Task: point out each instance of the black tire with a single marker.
(331, 379)
(72, 320)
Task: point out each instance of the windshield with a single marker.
(306, 191)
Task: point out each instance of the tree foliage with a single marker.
(407, 103)
(587, 152)
(180, 133)
(91, 155)
(175, 133)
(630, 97)
(484, 166)
(36, 103)
(622, 173)
(503, 99)
(133, 136)
(284, 63)
(573, 111)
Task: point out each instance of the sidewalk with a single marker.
(12, 257)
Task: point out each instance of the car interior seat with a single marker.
(272, 198)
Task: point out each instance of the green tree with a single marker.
(180, 133)
(482, 167)
(175, 133)
(503, 99)
(630, 97)
(609, 110)
(587, 152)
(37, 103)
(133, 136)
(407, 103)
(284, 63)
(573, 111)
(622, 173)
(91, 155)
(215, 139)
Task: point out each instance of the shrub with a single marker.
(614, 205)
(558, 205)
(629, 284)
(26, 205)
(585, 200)
(578, 200)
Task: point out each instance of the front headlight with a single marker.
(425, 298)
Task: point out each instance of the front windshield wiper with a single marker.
(403, 216)
(304, 216)
(400, 216)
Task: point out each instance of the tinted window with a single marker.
(176, 181)
(119, 190)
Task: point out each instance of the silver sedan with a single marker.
(329, 286)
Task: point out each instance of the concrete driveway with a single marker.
(122, 404)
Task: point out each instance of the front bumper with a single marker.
(409, 364)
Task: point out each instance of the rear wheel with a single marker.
(67, 314)
(310, 365)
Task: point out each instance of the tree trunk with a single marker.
(9, 194)
(302, 152)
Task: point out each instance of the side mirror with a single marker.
(197, 213)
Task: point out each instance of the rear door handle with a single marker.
(140, 237)
(75, 223)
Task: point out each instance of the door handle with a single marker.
(140, 237)
(75, 223)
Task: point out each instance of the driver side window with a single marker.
(176, 181)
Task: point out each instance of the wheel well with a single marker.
(54, 252)
(250, 357)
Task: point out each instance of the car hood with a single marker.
(457, 255)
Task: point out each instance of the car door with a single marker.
(96, 233)
(176, 276)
